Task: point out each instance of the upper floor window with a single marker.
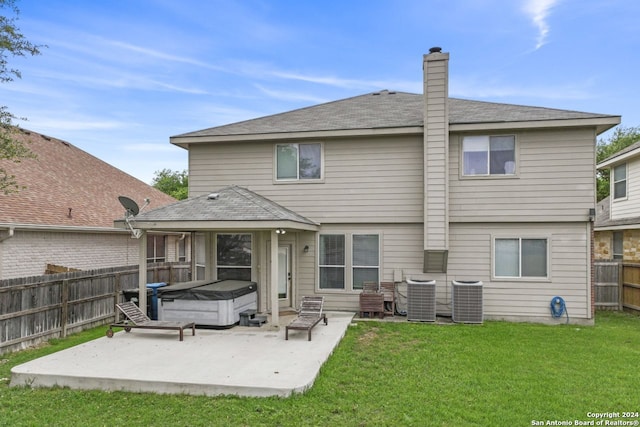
(298, 162)
(519, 258)
(620, 181)
(488, 155)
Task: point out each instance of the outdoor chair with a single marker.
(310, 315)
(371, 300)
(135, 318)
(388, 289)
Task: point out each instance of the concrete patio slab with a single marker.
(244, 361)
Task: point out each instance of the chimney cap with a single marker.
(435, 49)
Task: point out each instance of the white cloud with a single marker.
(472, 89)
(538, 11)
(290, 96)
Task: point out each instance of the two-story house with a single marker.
(617, 226)
(388, 186)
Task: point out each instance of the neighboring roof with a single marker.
(225, 208)
(386, 110)
(604, 221)
(630, 151)
(67, 187)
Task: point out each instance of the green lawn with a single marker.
(389, 374)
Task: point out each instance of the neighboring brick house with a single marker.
(64, 215)
(617, 225)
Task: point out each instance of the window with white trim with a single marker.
(298, 162)
(332, 261)
(365, 259)
(233, 256)
(156, 248)
(618, 245)
(620, 181)
(521, 257)
(488, 155)
(347, 261)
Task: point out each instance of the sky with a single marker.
(117, 78)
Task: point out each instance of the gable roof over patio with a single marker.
(229, 208)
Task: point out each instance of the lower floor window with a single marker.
(520, 257)
(156, 251)
(233, 256)
(332, 261)
(363, 264)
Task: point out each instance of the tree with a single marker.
(620, 139)
(175, 184)
(12, 44)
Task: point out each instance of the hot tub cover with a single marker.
(208, 290)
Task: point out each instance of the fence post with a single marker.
(620, 286)
(64, 312)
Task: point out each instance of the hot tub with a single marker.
(207, 303)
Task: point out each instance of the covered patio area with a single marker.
(243, 361)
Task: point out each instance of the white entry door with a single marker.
(284, 276)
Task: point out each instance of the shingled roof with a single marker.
(232, 204)
(385, 109)
(66, 186)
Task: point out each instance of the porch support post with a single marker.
(142, 272)
(275, 304)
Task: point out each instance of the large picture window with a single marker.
(298, 161)
(488, 155)
(365, 259)
(233, 256)
(520, 257)
(620, 181)
(347, 261)
(332, 261)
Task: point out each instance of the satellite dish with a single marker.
(129, 205)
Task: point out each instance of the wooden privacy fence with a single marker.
(617, 286)
(631, 287)
(35, 309)
(607, 285)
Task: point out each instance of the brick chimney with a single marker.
(436, 155)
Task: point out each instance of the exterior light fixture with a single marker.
(306, 248)
(280, 231)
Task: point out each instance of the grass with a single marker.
(388, 374)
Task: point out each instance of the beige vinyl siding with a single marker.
(436, 139)
(365, 180)
(630, 206)
(554, 181)
(470, 258)
(401, 249)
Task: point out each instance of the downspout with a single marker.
(11, 231)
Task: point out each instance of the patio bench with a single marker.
(137, 319)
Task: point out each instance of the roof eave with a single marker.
(618, 159)
(177, 225)
(602, 124)
(185, 141)
(58, 228)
